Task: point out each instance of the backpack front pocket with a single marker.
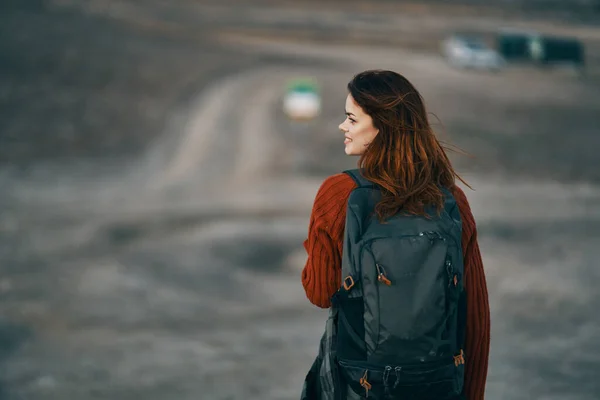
(438, 380)
(409, 294)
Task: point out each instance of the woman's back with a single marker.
(321, 276)
(387, 127)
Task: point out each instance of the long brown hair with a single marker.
(405, 159)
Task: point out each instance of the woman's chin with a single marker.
(350, 152)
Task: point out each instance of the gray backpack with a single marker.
(401, 305)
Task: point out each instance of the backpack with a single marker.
(400, 334)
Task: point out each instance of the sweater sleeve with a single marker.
(322, 273)
(477, 346)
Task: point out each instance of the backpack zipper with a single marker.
(381, 274)
(431, 235)
(441, 362)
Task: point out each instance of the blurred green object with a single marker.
(303, 85)
(302, 100)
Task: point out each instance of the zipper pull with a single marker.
(453, 276)
(429, 235)
(450, 271)
(365, 384)
(386, 386)
(381, 275)
(397, 370)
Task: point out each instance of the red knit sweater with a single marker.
(321, 276)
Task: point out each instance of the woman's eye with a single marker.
(352, 121)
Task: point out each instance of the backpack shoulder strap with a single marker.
(360, 180)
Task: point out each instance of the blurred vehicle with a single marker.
(470, 52)
(302, 100)
(543, 50)
(514, 46)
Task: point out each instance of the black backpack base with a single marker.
(433, 380)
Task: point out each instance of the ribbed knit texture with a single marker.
(321, 276)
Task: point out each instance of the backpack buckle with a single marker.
(348, 282)
(460, 358)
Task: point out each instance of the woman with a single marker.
(386, 125)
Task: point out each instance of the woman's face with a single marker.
(358, 129)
